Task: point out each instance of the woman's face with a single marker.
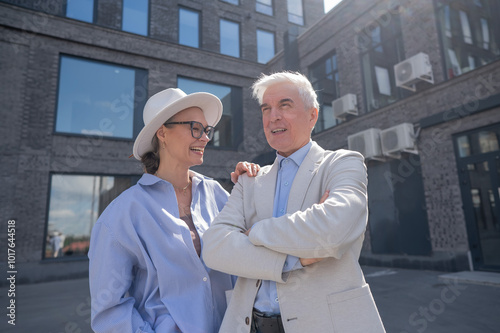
(180, 146)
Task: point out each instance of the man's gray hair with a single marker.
(306, 91)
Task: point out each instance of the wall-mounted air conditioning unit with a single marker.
(412, 70)
(345, 105)
(398, 139)
(367, 143)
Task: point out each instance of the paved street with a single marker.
(409, 301)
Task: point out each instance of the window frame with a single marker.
(335, 72)
(272, 33)
(231, 2)
(148, 17)
(236, 109)
(94, 12)
(458, 39)
(303, 14)
(200, 31)
(239, 37)
(134, 179)
(397, 44)
(141, 82)
(257, 3)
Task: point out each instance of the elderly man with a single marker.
(294, 233)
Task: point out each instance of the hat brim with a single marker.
(208, 103)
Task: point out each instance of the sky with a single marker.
(329, 4)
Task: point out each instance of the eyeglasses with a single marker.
(197, 128)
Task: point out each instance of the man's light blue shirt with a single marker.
(267, 296)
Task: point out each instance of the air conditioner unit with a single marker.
(345, 105)
(412, 70)
(367, 143)
(398, 139)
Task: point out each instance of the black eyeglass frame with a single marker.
(209, 130)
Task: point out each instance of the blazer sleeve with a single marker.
(227, 249)
(322, 230)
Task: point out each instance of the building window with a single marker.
(229, 130)
(324, 77)
(264, 7)
(295, 12)
(135, 16)
(101, 99)
(82, 10)
(75, 203)
(230, 38)
(265, 46)
(233, 2)
(189, 27)
(470, 34)
(381, 49)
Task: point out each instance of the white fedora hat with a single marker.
(163, 105)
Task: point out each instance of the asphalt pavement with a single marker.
(409, 301)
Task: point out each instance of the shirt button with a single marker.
(286, 184)
(205, 278)
(282, 211)
(276, 300)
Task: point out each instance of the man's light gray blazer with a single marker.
(328, 296)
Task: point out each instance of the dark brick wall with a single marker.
(33, 35)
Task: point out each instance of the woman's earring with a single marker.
(162, 145)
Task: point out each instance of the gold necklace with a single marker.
(184, 188)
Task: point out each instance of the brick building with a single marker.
(425, 77)
(76, 75)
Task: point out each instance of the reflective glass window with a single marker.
(264, 7)
(75, 203)
(228, 132)
(295, 12)
(324, 77)
(381, 48)
(230, 38)
(82, 10)
(265, 46)
(97, 98)
(189, 27)
(470, 34)
(135, 16)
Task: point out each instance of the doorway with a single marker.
(478, 159)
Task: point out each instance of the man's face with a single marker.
(287, 123)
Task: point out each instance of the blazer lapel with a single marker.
(303, 178)
(265, 186)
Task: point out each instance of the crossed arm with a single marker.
(323, 230)
(304, 261)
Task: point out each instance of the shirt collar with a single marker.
(298, 156)
(149, 179)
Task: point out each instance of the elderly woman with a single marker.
(146, 273)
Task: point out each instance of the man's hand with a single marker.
(251, 168)
(309, 261)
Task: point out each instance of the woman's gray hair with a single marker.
(305, 88)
